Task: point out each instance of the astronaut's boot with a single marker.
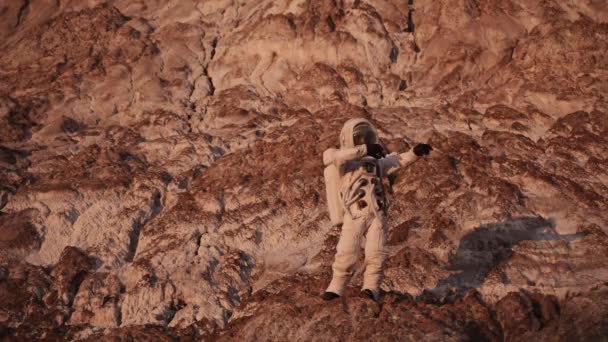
(367, 294)
(328, 295)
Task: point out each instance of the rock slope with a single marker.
(160, 167)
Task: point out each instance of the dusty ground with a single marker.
(161, 176)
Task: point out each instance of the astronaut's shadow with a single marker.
(484, 249)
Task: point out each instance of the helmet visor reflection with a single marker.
(364, 134)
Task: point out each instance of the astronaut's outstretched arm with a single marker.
(394, 161)
(340, 156)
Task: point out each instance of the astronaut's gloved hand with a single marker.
(422, 149)
(375, 150)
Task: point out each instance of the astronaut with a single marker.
(356, 199)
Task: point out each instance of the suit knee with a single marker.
(345, 262)
(376, 258)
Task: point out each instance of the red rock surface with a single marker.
(160, 168)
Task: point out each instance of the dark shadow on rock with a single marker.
(484, 249)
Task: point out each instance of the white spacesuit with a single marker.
(356, 198)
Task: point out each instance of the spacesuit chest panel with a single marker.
(361, 187)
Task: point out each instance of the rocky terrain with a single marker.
(161, 175)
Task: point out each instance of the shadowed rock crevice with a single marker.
(144, 217)
(410, 21)
(22, 10)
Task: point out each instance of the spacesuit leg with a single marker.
(375, 255)
(347, 252)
